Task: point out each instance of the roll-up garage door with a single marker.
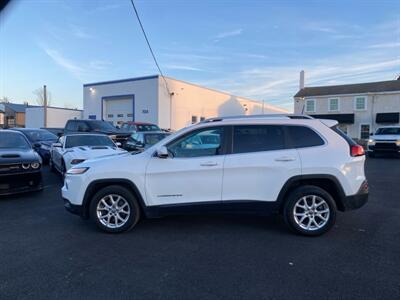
(118, 109)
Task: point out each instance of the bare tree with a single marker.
(4, 99)
(40, 96)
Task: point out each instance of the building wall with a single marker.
(146, 98)
(1, 119)
(376, 103)
(190, 100)
(56, 117)
(20, 119)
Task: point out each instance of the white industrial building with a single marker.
(169, 103)
(55, 117)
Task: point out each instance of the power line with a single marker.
(148, 44)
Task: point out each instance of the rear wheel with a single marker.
(114, 209)
(310, 210)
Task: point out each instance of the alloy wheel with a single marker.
(311, 212)
(113, 211)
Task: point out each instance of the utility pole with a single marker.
(45, 105)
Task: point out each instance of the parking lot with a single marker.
(47, 253)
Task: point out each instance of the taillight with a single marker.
(357, 150)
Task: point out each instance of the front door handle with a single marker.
(285, 158)
(208, 164)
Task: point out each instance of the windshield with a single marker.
(148, 127)
(388, 130)
(154, 138)
(39, 135)
(10, 140)
(88, 140)
(101, 125)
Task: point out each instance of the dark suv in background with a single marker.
(96, 126)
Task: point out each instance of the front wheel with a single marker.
(114, 209)
(310, 210)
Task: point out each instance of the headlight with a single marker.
(25, 166)
(76, 161)
(113, 137)
(76, 171)
(398, 142)
(371, 142)
(35, 165)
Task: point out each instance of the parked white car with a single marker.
(305, 169)
(385, 140)
(73, 149)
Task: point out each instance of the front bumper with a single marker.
(357, 200)
(73, 209)
(20, 183)
(384, 147)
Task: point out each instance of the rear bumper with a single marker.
(357, 200)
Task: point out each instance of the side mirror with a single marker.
(118, 144)
(37, 145)
(57, 145)
(162, 152)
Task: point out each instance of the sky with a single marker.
(254, 49)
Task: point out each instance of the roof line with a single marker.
(121, 80)
(347, 84)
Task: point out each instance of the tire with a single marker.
(129, 209)
(312, 220)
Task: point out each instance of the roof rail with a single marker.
(264, 116)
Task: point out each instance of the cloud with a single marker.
(385, 45)
(81, 71)
(231, 33)
(321, 27)
(182, 67)
(79, 32)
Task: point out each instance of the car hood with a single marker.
(113, 132)
(88, 152)
(10, 156)
(381, 137)
(111, 159)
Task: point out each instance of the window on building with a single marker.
(129, 115)
(120, 115)
(334, 104)
(360, 103)
(110, 116)
(202, 119)
(194, 119)
(310, 106)
(364, 131)
(255, 138)
(301, 137)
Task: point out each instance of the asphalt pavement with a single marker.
(47, 253)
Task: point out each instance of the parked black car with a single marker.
(96, 126)
(20, 165)
(140, 141)
(40, 140)
(54, 130)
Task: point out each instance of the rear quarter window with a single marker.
(302, 137)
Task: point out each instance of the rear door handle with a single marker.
(208, 164)
(285, 158)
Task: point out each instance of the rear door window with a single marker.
(302, 137)
(256, 138)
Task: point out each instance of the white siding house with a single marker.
(147, 99)
(360, 108)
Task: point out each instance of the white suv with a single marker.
(303, 168)
(385, 140)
